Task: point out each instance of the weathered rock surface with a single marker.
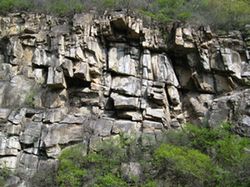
(90, 78)
(234, 108)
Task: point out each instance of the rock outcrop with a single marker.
(66, 81)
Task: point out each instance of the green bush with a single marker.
(97, 168)
(4, 174)
(71, 171)
(30, 98)
(226, 149)
(226, 14)
(193, 156)
(168, 10)
(64, 7)
(10, 5)
(110, 180)
(187, 164)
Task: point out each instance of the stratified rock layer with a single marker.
(82, 80)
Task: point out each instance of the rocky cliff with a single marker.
(65, 81)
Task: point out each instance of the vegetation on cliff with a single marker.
(226, 14)
(193, 156)
(4, 175)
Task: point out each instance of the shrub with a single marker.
(110, 180)
(223, 15)
(71, 172)
(29, 99)
(186, 166)
(4, 174)
(95, 169)
(168, 10)
(227, 14)
(193, 156)
(226, 149)
(10, 5)
(64, 7)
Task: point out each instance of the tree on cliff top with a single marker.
(225, 14)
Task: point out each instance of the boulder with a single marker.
(204, 82)
(124, 102)
(131, 115)
(223, 84)
(126, 85)
(156, 92)
(12, 129)
(163, 70)
(9, 146)
(56, 78)
(120, 62)
(232, 62)
(4, 113)
(197, 106)
(15, 51)
(40, 58)
(27, 165)
(9, 162)
(131, 171)
(101, 127)
(146, 61)
(232, 108)
(61, 134)
(154, 113)
(126, 127)
(31, 133)
(81, 70)
(17, 116)
(151, 126)
(173, 95)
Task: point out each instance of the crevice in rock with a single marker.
(75, 82)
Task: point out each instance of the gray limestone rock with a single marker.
(17, 116)
(4, 113)
(121, 62)
(101, 127)
(27, 165)
(197, 106)
(61, 134)
(56, 78)
(81, 70)
(151, 126)
(232, 62)
(173, 95)
(233, 108)
(223, 84)
(12, 129)
(146, 61)
(123, 102)
(40, 57)
(95, 78)
(9, 162)
(163, 70)
(9, 146)
(131, 171)
(131, 115)
(126, 127)
(31, 133)
(154, 113)
(127, 85)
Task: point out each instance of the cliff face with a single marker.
(83, 80)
